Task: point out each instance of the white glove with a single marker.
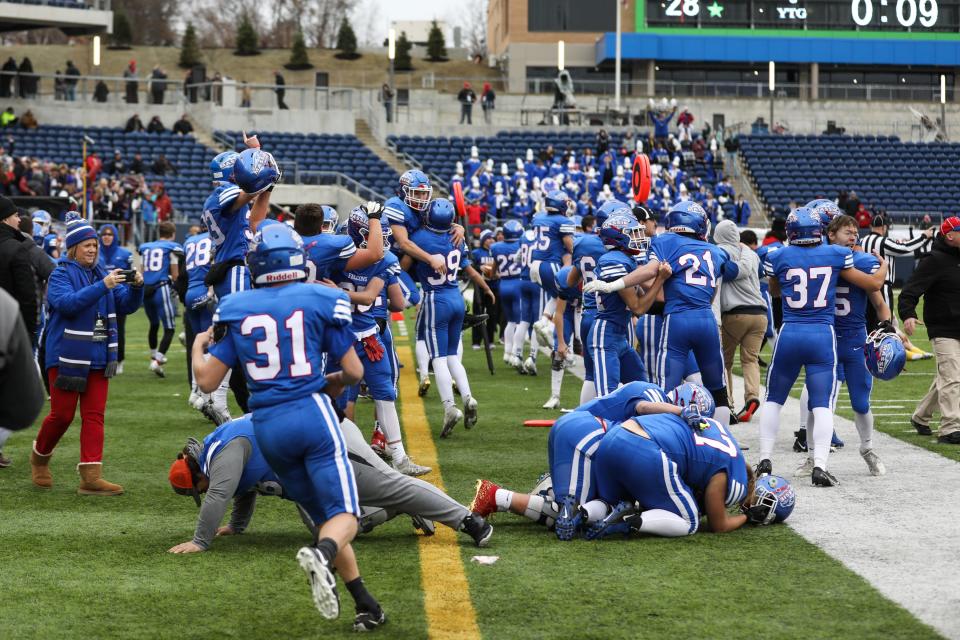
(599, 286)
(374, 210)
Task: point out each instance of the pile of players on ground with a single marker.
(589, 180)
(646, 452)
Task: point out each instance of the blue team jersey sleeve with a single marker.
(224, 351)
(611, 267)
(225, 199)
(845, 256)
(465, 260)
(865, 262)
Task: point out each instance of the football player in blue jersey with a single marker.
(587, 251)
(531, 304)
(232, 211)
(367, 290)
(112, 256)
(850, 325)
(806, 273)
(199, 304)
(443, 309)
(673, 472)
(328, 251)
(689, 323)
(553, 249)
(483, 259)
(508, 269)
(160, 261)
(278, 334)
(564, 319)
(572, 443)
(610, 339)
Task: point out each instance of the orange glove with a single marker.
(373, 348)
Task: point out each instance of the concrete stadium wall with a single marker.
(204, 115)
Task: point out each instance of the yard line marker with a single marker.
(446, 594)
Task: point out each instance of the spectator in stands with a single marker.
(131, 85)
(246, 96)
(603, 142)
(34, 181)
(862, 216)
(488, 101)
(183, 126)
(162, 203)
(937, 279)
(162, 166)
(101, 92)
(8, 73)
(279, 89)
(117, 166)
(216, 89)
(155, 126)
(8, 118)
(28, 120)
(59, 89)
(743, 313)
(386, 97)
(136, 165)
(158, 84)
(94, 165)
(547, 154)
(28, 80)
(851, 205)
(72, 75)
(466, 97)
(16, 272)
(741, 212)
(134, 124)
(83, 299)
(661, 123)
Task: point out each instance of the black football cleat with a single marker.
(477, 528)
(369, 620)
(823, 478)
(922, 429)
(800, 443)
(763, 468)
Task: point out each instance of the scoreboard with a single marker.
(884, 17)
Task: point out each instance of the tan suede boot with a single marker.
(40, 468)
(91, 484)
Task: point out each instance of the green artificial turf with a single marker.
(88, 567)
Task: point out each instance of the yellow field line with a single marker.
(446, 595)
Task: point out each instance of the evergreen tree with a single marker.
(436, 45)
(346, 42)
(122, 33)
(402, 62)
(189, 48)
(299, 59)
(248, 43)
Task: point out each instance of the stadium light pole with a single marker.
(772, 84)
(392, 54)
(943, 104)
(617, 62)
(560, 55)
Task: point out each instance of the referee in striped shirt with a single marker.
(878, 241)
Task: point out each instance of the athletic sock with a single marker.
(805, 421)
(588, 391)
(329, 549)
(444, 382)
(165, 341)
(423, 359)
(503, 498)
(508, 333)
(596, 510)
(534, 344)
(556, 383)
(822, 434)
(362, 597)
(660, 522)
(390, 423)
(519, 338)
(534, 510)
(550, 308)
(769, 422)
(152, 338)
(459, 375)
(864, 424)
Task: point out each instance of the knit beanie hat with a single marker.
(78, 230)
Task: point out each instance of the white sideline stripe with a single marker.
(865, 521)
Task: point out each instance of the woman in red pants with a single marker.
(81, 353)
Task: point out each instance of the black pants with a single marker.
(189, 335)
(466, 113)
(280, 103)
(481, 304)
(887, 293)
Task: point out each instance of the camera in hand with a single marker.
(129, 275)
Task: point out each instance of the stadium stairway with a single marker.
(365, 135)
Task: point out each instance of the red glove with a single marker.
(373, 348)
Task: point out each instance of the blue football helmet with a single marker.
(358, 228)
(440, 215)
(622, 231)
(775, 493)
(485, 235)
(604, 211)
(43, 218)
(38, 233)
(688, 217)
(885, 355)
(804, 227)
(415, 189)
(693, 394)
(512, 230)
(825, 209)
(557, 201)
(276, 255)
(255, 170)
(221, 167)
(330, 220)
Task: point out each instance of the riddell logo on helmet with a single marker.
(282, 276)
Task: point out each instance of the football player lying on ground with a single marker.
(572, 443)
(676, 472)
(228, 465)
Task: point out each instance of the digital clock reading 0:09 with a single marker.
(908, 12)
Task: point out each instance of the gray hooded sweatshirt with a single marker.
(743, 294)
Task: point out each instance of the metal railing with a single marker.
(335, 178)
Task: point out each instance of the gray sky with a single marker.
(372, 18)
